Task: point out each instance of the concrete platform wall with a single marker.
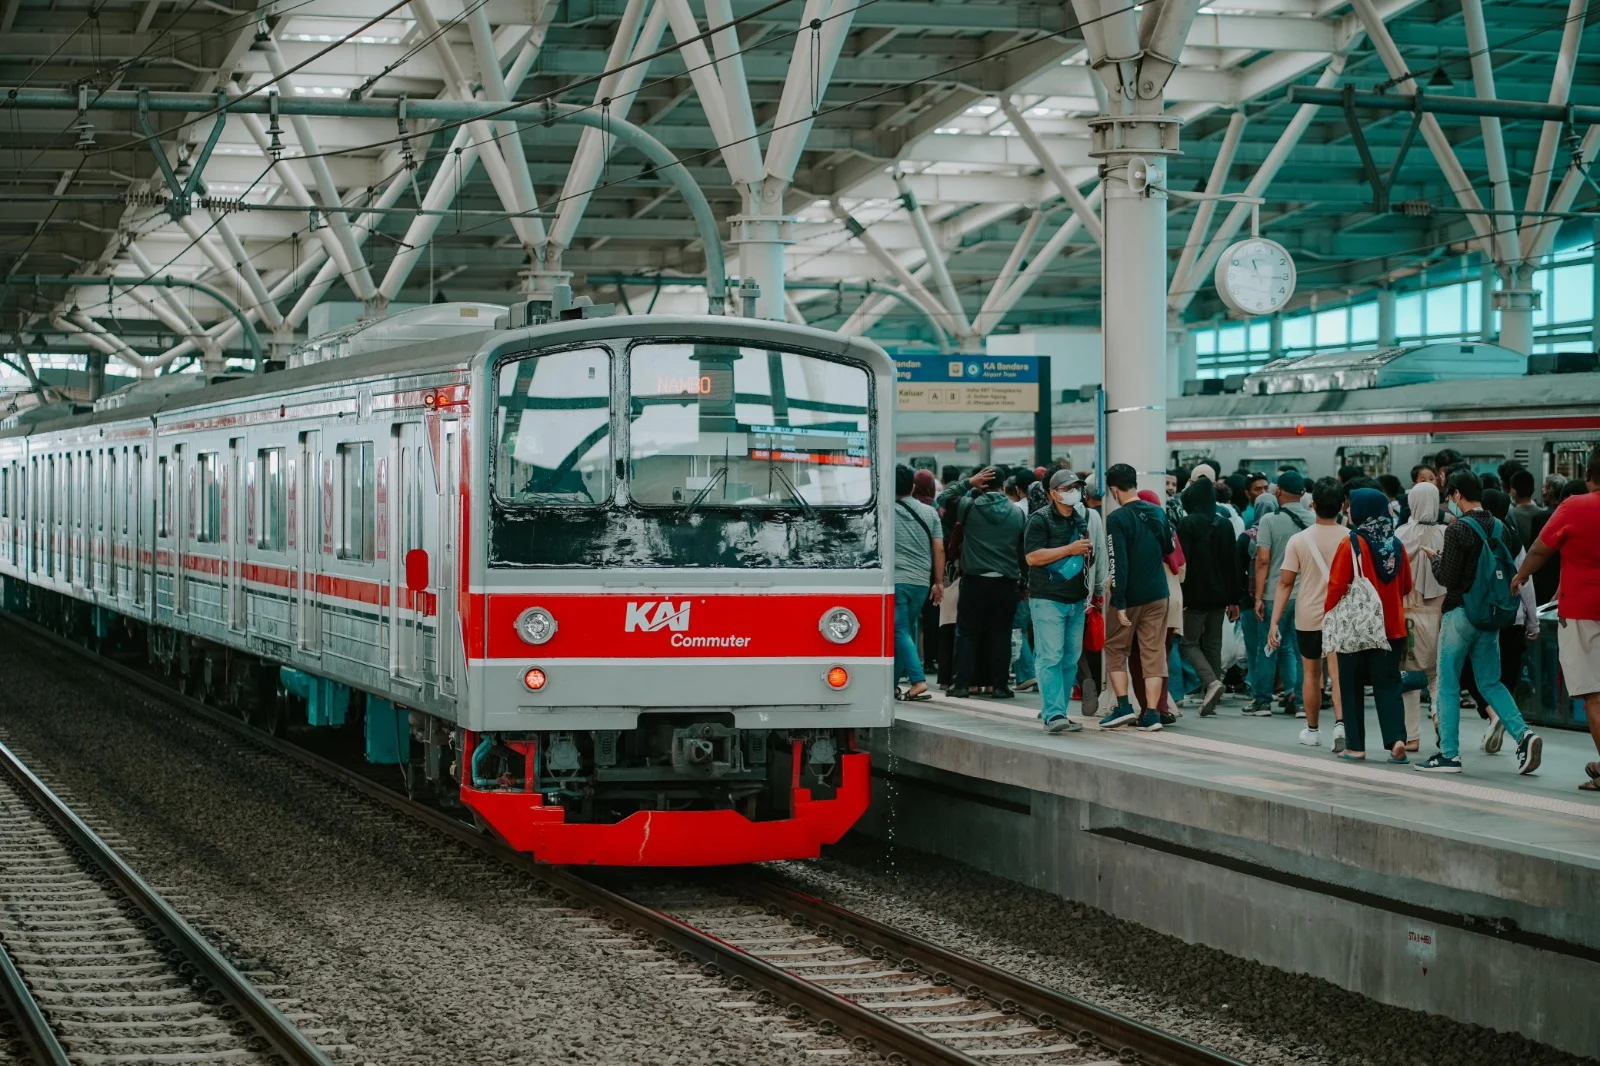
(1407, 941)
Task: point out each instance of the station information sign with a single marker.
(967, 383)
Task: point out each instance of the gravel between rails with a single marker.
(1239, 1007)
(418, 950)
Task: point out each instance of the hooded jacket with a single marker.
(1213, 580)
(991, 539)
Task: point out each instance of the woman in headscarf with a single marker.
(1423, 538)
(924, 487)
(1262, 666)
(1383, 562)
(1175, 567)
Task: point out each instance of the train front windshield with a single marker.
(702, 455)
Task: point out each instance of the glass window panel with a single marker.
(1472, 296)
(1574, 293)
(1364, 323)
(714, 425)
(1297, 331)
(1331, 332)
(359, 491)
(553, 430)
(1444, 311)
(1231, 339)
(1205, 342)
(1408, 316)
(270, 505)
(1260, 335)
(208, 526)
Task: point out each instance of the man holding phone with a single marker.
(1064, 546)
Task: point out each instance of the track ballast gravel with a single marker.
(418, 950)
(1242, 1008)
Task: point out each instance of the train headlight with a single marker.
(839, 625)
(536, 625)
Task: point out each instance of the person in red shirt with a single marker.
(1573, 532)
(1384, 563)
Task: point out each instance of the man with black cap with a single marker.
(1272, 537)
(1064, 547)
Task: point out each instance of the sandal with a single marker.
(1397, 754)
(1593, 770)
(1345, 756)
(906, 696)
(1591, 785)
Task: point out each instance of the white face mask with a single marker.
(1069, 497)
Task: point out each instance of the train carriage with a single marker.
(621, 585)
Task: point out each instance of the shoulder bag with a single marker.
(1356, 622)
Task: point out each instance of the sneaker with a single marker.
(1258, 709)
(1338, 737)
(1168, 718)
(1213, 696)
(1061, 724)
(1494, 738)
(1528, 752)
(1438, 764)
(1119, 716)
(959, 692)
(1150, 722)
(1030, 685)
(1002, 693)
(1311, 738)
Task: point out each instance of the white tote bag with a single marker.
(1356, 622)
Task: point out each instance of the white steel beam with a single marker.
(742, 157)
(1504, 225)
(296, 188)
(218, 257)
(1090, 221)
(730, 73)
(915, 288)
(97, 335)
(168, 296)
(1455, 176)
(361, 278)
(1047, 255)
(621, 89)
(1214, 186)
(811, 60)
(494, 90)
(934, 257)
(1161, 43)
(1560, 88)
(252, 276)
(1008, 273)
(1566, 192)
(1182, 291)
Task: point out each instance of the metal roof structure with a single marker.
(840, 112)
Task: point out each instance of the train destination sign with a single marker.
(967, 383)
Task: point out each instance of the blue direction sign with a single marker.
(967, 383)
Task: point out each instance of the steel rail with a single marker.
(39, 1041)
(898, 1042)
(1047, 1006)
(295, 1047)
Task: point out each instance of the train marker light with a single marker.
(838, 677)
(534, 679)
(536, 625)
(839, 625)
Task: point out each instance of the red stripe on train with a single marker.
(682, 625)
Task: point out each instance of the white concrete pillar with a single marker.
(1275, 336)
(1388, 336)
(1516, 301)
(1134, 283)
(1488, 279)
(1594, 288)
(761, 234)
(1182, 354)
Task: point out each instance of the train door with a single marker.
(134, 525)
(410, 561)
(234, 507)
(448, 567)
(307, 523)
(181, 505)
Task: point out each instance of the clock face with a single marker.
(1255, 276)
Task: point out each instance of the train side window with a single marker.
(272, 532)
(553, 430)
(208, 528)
(164, 498)
(5, 492)
(359, 511)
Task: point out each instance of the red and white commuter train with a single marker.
(625, 579)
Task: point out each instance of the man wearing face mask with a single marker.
(1064, 546)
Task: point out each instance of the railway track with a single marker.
(96, 967)
(850, 985)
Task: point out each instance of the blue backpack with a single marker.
(1489, 603)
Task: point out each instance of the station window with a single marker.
(270, 504)
(358, 524)
(208, 528)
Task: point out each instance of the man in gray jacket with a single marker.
(990, 552)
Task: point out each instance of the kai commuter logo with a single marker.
(653, 617)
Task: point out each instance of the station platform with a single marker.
(1474, 896)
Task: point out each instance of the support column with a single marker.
(1183, 354)
(1134, 284)
(760, 234)
(1387, 336)
(1516, 301)
(1275, 336)
(1487, 280)
(97, 375)
(1594, 288)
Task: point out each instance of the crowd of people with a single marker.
(1275, 586)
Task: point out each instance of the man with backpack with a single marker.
(918, 576)
(1476, 570)
(987, 540)
(1064, 546)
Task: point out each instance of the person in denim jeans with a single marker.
(1059, 547)
(1272, 538)
(918, 577)
(1461, 642)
